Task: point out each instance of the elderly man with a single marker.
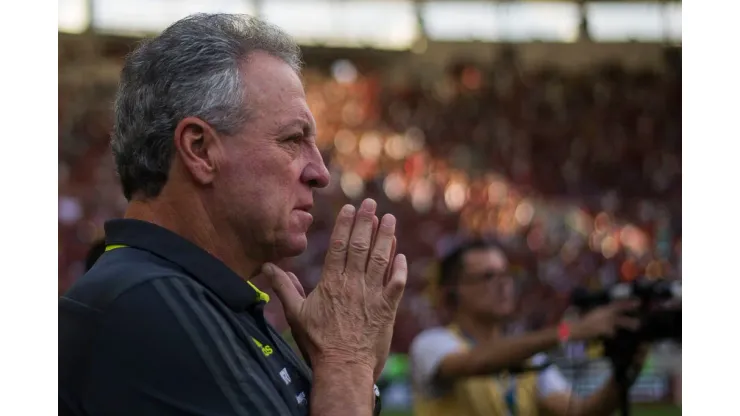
(215, 148)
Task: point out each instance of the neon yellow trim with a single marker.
(261, 296)
(114, 246)
(266, 349)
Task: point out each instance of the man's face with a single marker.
(485, 287)
(265, 183)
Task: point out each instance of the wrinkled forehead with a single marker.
(272, 85)
(484, 260)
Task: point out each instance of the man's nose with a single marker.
(316, 174)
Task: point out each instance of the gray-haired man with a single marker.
(215, 147)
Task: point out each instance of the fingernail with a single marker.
(368, 205)
(348, 210)
(267, 269)
(388, 220)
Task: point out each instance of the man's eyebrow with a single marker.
(299, 123)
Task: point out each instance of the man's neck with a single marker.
(479, 329)
(192, 222)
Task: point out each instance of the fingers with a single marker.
(381, 252)
(361, 238)
(630, 324)
(397, 282)
(297, 284)
(336, 256)
(389, 269)
(622, 320)
(286, 288)
(376, 223)
(626, 305)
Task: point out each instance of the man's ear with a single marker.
(198, 147)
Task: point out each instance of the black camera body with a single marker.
(660, 319)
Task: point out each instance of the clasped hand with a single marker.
(348, 318)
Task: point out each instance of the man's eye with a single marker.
(295, 138)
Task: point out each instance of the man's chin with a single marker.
(293, 246)
(500, 315)
(504, 313)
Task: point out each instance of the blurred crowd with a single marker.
(579, 176)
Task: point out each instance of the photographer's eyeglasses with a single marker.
(487, 276)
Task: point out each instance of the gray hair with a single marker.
(190, 69)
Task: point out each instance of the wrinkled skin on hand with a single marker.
(349, 316)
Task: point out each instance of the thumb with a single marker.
(397, 282)
(284, 288)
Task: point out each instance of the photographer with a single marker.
(462, 369)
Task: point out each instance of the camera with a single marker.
(660, 319)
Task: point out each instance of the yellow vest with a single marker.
(478, 396)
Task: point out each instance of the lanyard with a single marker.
(509, 391)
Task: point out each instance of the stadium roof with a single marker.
(396, 24)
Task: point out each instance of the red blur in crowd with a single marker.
(578, 175)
